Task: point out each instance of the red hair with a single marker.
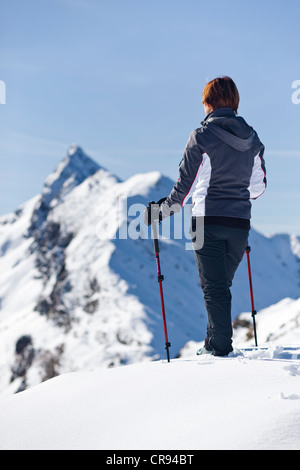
(221, 93)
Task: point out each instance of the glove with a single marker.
(152, 213)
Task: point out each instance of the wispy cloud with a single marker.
(14, 142)
(86, 4)
(283, 153)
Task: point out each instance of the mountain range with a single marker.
(78, 281)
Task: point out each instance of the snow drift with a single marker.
(248, 401)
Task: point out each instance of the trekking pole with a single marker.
(160, 279)
(254, 312)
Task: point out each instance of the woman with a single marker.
(222, 169)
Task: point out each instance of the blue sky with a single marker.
(123, 79)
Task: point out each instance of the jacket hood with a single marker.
(231, 129)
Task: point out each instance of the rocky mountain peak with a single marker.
(69, 173)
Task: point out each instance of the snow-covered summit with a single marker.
(75, 168)
(70, 172)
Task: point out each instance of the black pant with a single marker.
(217, 262)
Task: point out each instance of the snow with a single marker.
(248, 401)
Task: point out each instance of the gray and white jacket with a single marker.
(222, 168)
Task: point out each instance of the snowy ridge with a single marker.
(277, 322)
(249, 401)
(82, 298)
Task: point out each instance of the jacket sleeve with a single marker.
(258, 180)
(184, 187)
